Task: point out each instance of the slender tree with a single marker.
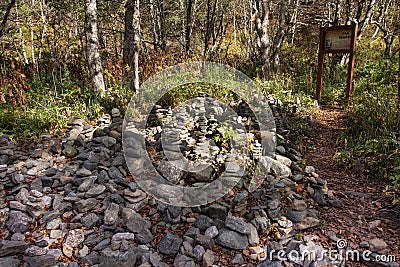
(262, 23)
(131, 45)
(92, 48)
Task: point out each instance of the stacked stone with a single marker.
(78, 206)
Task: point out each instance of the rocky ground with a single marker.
(70, 201)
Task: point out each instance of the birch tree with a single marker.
(92, 48)
(261, 15)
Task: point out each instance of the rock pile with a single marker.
(74, 203)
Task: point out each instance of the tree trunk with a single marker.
(21, 36)
(188, 30)
(5, 17)
(398, 85)
(32, 34)
(279, 36)
(131, 45)
(364, 23)
(163, 26)
(92, 44)
(261, 14)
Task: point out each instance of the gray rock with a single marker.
(183, 261)
(205, 241)
(253, 237)
(10, 248)
(203, 222)
(319, 197)
(114, 173)
(198, 252)
(9, 262)
(18, 237)
(75, 238)
(299, 205)
(169, 244)
(18, 222)
(136, 223)
(82, 172)
(86, 184)
(212, 231)
(49, 216)
(69, 151)
(308, 222)
(231, 239)
(279, 169)
(95, 191)
(376, 245)
(309, 169)
(334, 203)
(261, 224)
(238, 259)
(110, 258)
(216, 211)
(40, 261)
(85, 205)
(35, 251)
(296, 216)
(208, 258)
(143, 237)
(241, 196)
(170, 171)
(90, 220)
(237, 224)
(111, 214)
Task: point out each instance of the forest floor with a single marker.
(366, 211)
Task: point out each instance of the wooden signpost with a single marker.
(332, 40)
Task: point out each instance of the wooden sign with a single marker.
(337, 39)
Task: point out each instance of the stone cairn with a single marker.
(72, 202)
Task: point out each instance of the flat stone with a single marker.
(110, 258)
(308, 222)
(237, 224)
(9, 262)
(95, 191)
(231, 239)
(40, 261)
(136, 223)
(35, 251)
(82, 172)
(10, 248)
(376, 245)
(299, 205)
(90, 220)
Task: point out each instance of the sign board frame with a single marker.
(333, 40)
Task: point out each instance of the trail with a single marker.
(364, 202)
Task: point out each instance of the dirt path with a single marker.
(363, 200)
